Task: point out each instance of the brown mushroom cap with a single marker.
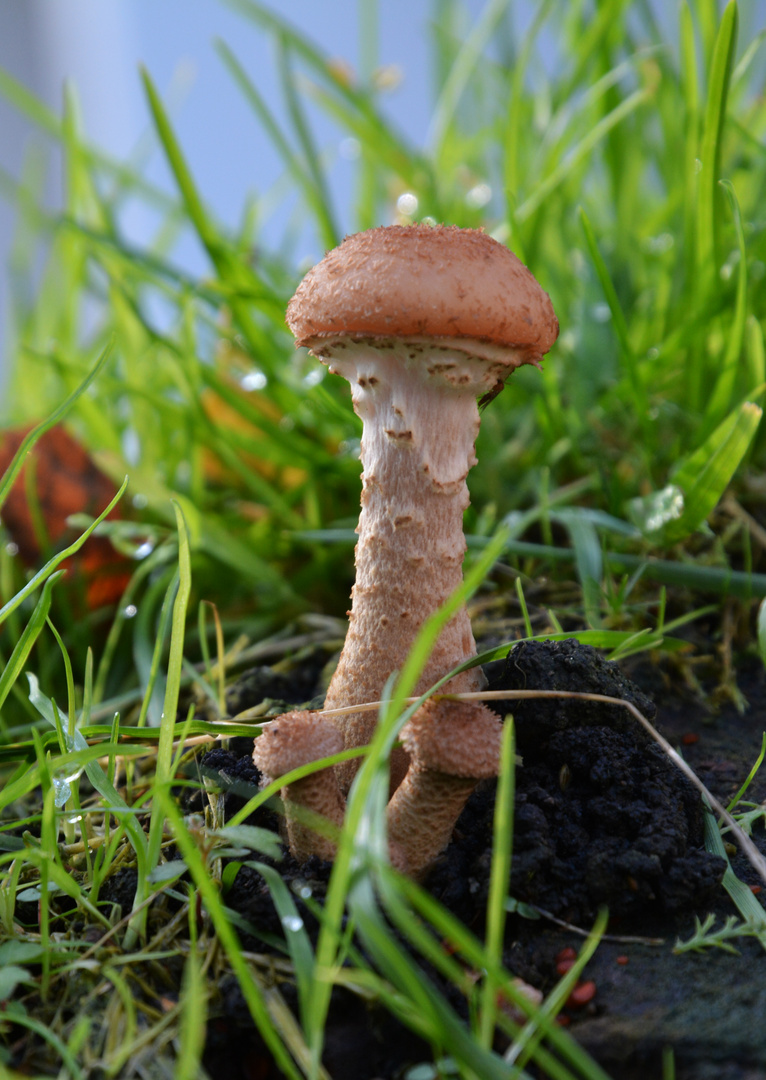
(295, 739)
(422, 281)
(456, 738)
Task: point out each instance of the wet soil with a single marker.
(601, 818)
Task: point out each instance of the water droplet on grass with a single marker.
(407, 204)
(254, 380)
(62, 792)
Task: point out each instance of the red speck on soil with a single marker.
(690, 738)
(582, 995)
(621, 960)
(566, 954)
(564, 966)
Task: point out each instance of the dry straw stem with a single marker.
(749, 849)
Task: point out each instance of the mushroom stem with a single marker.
(318, 794)
(295, 739)
(426, 806)
(409, 557)
(453, 745)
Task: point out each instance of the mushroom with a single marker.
(421, 321)
(294, 739)
(452, 746)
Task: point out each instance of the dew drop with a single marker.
(299, 886)
(478, 196)
(61, 792)
(350, 149)
(313, 378)
(254, 380)
(131, 446)
(292, 923)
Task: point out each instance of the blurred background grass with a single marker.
(622, 159)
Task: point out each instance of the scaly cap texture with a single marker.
(416, 281)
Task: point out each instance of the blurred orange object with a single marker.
(226, 417)
(64, 481)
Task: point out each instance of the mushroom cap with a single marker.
(423, 281)
(294, 739)
(457, 738)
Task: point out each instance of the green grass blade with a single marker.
(756, 352)
(16, 1014)
(526, 1045)
(13, 470)
(369, 792)
(193, 1020)
(303, 179)
(514, 129)
(750, 776)
(499, 878)
(212, 240)
(209, 891)
(748, 906)
(23, 646)
(464, 66)
(441, 924)
(428, 1011)
(53, 564)
(312, 161)
(710, 149)
(761, 631)
(704, 476)
(690, 97)
(356, 105)
(588, 560)
(148, 645)
(164, 760)
(579, 152)
(721, 398)
(28, 104)
(619, 321)
(298, 942)
(192, 200)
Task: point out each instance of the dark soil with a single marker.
(602, 818)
